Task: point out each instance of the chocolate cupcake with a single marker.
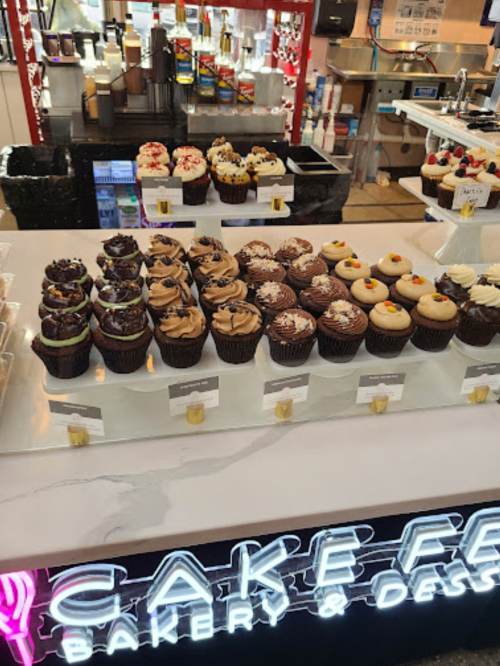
(302, 270)
(341, 330)
(324, 290)
(456, 282)
(366, 292)
(67, 298)
(389, 329)
(68, 270)
(291, 249)
(336, 251)
(236, 329)
(167, 293)
(180, 335)
(119, 270)
(351, 269)
(120, 247)
(123, 337)
(436, 320)
(391, 267)
(200, 246)
(64, 344)
(260, 271)
(274, 297)
(254, 250)
(409, 289)
(165, 267)
(124, 294)
(192, 171)
(480, 316)
(164, 246)
(491, 276)
(215, 265)
(292, 335)
(217, 292)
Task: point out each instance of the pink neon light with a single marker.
(15, 606)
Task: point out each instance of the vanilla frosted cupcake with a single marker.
(433, 172)
(254, 157)
(456, 282)
(453, 158)
(447, 189)
(152, 152)
(186, 151)
(479, 154)
(334, 251)
(491, 276)
(491, 177)
(192, 170)
(269, 165)
(219, 146)
(232, 179)
(391, 267)
(154, 169)
(351, 269)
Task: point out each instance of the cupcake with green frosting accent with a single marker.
(124, 294)
(119, 270)
(68, 270)
(123, 337)
(64, 344)
(67, 298)
(120, 247)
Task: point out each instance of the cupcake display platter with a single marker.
(489, 354)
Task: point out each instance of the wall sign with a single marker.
(98, 608)
(419, 18)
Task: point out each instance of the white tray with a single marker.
(489, 354)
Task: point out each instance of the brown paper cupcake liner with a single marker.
(430, 186)
(236, 349)
(445, 197)
(292, 354)
(493, 200)
(385, 346)
(432, 340)
(194, 193)
(66, 366)
(233, 194)
(181, 352)
(337, 351)
(124, 362)
(475, 333)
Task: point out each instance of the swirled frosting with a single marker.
(479, 154)
(169, 292)
(390, 316)
(167, 267)
(293, 248)
(255, 156)
(202, 245)
(485, 295)
(414, 287)
(255, 250)
(352, 269)
(275, 295)
(154, 169)
(463, 275)
(233, 168)
(184, 151)
(265, 270)
(270, 165)
(436, 307)
(435, 169)
(344, 317)
(488, 179)
(305, 267)
(336, 250)
(219, 264)
(394, 264)
(165, 246)
(369, 290)
(324, 289)
(293, 324)
(190, 168)
(470, 170)
(237, 318)
(224, 290)
(492, 274)
(183, 322)
(218, 146)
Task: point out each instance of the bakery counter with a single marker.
(162, 492)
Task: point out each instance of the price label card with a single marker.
(477, 194)
(158, 190)
(205, 391)
(83, 416)
(481, 375)
(275, 187)
(380, 386)
(294, 388)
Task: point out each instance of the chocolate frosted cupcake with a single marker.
(341, 330)
(254, 250)
(180, 335)
(68, 270)
(164, 246)
(436, 320)
(456, 282)
(480, 316)
(200, 246)
(390, 268)
(65, 298)
(292, 335)
(120, 247)
(215, 265)
(119, 270)
(165, 267)
(192, 171)
(351, 269)
(366, 292)
(491, 276)
(291, 249)
(123, 337)
(64, 344)
(333, 252)
(233, 181)
(274, 297)
(389, 329)
(163, 295)
(237, 329)
(217, 292)
(119, 295)
(409, 289)
(302, 270)
(263, 270)
(324, 290)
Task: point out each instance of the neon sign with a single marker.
(98, 608)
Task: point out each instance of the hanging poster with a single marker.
(418, 19)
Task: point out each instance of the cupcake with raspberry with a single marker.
(68, 270)
(409, 289)
(215, 265)
(291, 249)
(367, 292)
(292, 335)
(152, 152)
(302, 270)
(272, 298)
(192, 171)
(491, 177)
(390, 327)
(351, 269)
(432, 174)
(323, 290)
(253, 250)
(436, 320)
(479, 154)
(163, 246)
(165, 267)
(66, 298)
(452, 157)
(449, 185)
(335, 251)
(391, 267)
(472, 168)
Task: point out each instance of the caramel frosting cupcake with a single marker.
(254, 250)
(292, 335)
(436, 319)
(180, 335)
(66, 298)
(274, 297)
(292, 249)
(68, 270)
(456, 282)
(341, 330)
(164, 246)
(324, 289)
(236, 329)
(264, 270)
(351, 269)
(200, 246)
(216, 265)
(366, 292)
(222, 290)
(303, 269)
(333, 252)
(389, 329)
(409, 289)
(165, 267)
(117, 271)
(391, 267)
(167, 293)
(124, 294)
(120, 247)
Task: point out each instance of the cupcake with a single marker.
(447, 188)
(118, 271)
(68, 270)
(192, 171)
(409, 289)
(223, 156)
(216, 265)
(491, 177)
(124, 294)
(351, 269)
(389, 329)
(122, 338)
(366, 292)
(479, 316)
(292, 249)
(333, 252)
(233, 181)
(254, 250)
(167, 293)
(390, 268)
(152, 152)
(263, 270)
(341, 330)
(153, 170)
(64, 344)
(491, 276)
(324, 289)
(200, 246)
(269, 165)
(432, 173)
(236, 329)
(456, 282)
(274, 297)
(186, 151)
(479, 154)
(164, 246)
(436, 320)
(218, 147)
(472, 168)
(291, 335)
(180, 335)
(120, 247)
(219, 291)
(302, 270)
(453, 157)
(66, 298)
(165, 267)
(254, 157)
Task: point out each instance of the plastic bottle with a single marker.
(206, 64)
(226, 66)
(308, 133)
(371, 173)
(319, 134)
(327, 93)
(113, 60)
(105, 104)
(329, 140)
(246, 80)
(158, 43)
(183, 46)
(133, 47)
(89, 64)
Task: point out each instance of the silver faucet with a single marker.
(462, 78)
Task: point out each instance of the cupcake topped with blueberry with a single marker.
(433, 171)
(472, 168)
(68, 270)
(120, 246)
(456, 282)
(479, 154)
(65, 297)
(164, 246)
(334, 251)
(449, 185)
(117, 271)
(292, 249)
(351, 269)
(452, 157)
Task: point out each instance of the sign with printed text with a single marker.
(275, 187)
(294, 388)
(481, 375)
(70, 414)
(156, 190)
(380, 386)
(204, 391)
(418, 18)
(477, 194)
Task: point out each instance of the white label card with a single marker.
(380, 386)
(161, 189)
(481, 375)
(477, 194)
(275, 187)
(294, 388)
(70, 414)
(204, 391)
